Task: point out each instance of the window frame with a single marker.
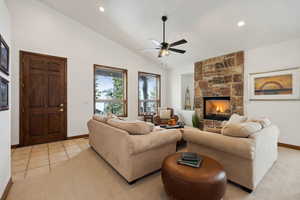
(125, 99)
(158, 76)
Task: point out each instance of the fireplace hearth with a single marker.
(217, 108)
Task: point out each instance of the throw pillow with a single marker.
(165, 114)
(235, 118)
(245, 129)
(132, 127)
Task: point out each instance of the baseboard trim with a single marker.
(7, 189)
(68, 138)
(78, 136)
(14, 146)
(290, 146)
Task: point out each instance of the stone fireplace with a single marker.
(219, 89)
(217, 108)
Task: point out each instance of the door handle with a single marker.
(61, 110)
(61, 105)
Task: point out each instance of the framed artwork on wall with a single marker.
(4, 89)
(4, 56)
(275, 85)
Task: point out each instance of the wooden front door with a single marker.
(43, 107)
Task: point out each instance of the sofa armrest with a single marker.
(242, 147)
(142, 143)
(156, 120)
(271, 131)
(266, 141)
(266, 151)
(105, 137)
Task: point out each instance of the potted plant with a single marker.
(196, 120)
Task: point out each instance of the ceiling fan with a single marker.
(165, 47)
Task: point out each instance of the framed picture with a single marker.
(4, 56)
(4, 103)
(275, 85)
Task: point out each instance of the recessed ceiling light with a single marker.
(241, 23)
(101, 9)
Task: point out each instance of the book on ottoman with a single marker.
(190, 156)
(190, 159)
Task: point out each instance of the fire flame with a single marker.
(220, 109)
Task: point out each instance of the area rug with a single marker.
(88, 177)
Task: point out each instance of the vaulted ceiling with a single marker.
(210, 26)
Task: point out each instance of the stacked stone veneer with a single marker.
(221, 76)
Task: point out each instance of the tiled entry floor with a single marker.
(40, 159)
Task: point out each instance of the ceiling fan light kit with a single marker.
(164, 47)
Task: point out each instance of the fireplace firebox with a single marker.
(217, 108)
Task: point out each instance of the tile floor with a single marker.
(40, 159)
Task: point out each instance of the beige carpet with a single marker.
(88, 177)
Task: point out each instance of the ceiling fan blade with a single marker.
(157, 43)
(149, 49)
(180, 42)
(177, 50)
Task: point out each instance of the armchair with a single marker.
(164, 115)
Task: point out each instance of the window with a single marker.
(149, 93)
(110, 90)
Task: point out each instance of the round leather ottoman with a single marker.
(187, 183)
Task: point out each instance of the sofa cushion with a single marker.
(110, 116)
(242, 147)
(100, 118)
(165, 114)
(245, 129)
(264, 121)
(104, 118)
(132, 127)
(158, 128)
(143, 143)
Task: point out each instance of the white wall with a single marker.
(4, 115)
(283, 113)
(38, 28)
(175, 85)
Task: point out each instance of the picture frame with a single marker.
(4, 56)
(275, 85)
(4, 94)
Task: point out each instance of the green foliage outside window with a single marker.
(110, 91)
(148, 93)
(115, 93)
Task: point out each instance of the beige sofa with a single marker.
(245, 160)
(133, 156)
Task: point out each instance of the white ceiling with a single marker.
(210, 26)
